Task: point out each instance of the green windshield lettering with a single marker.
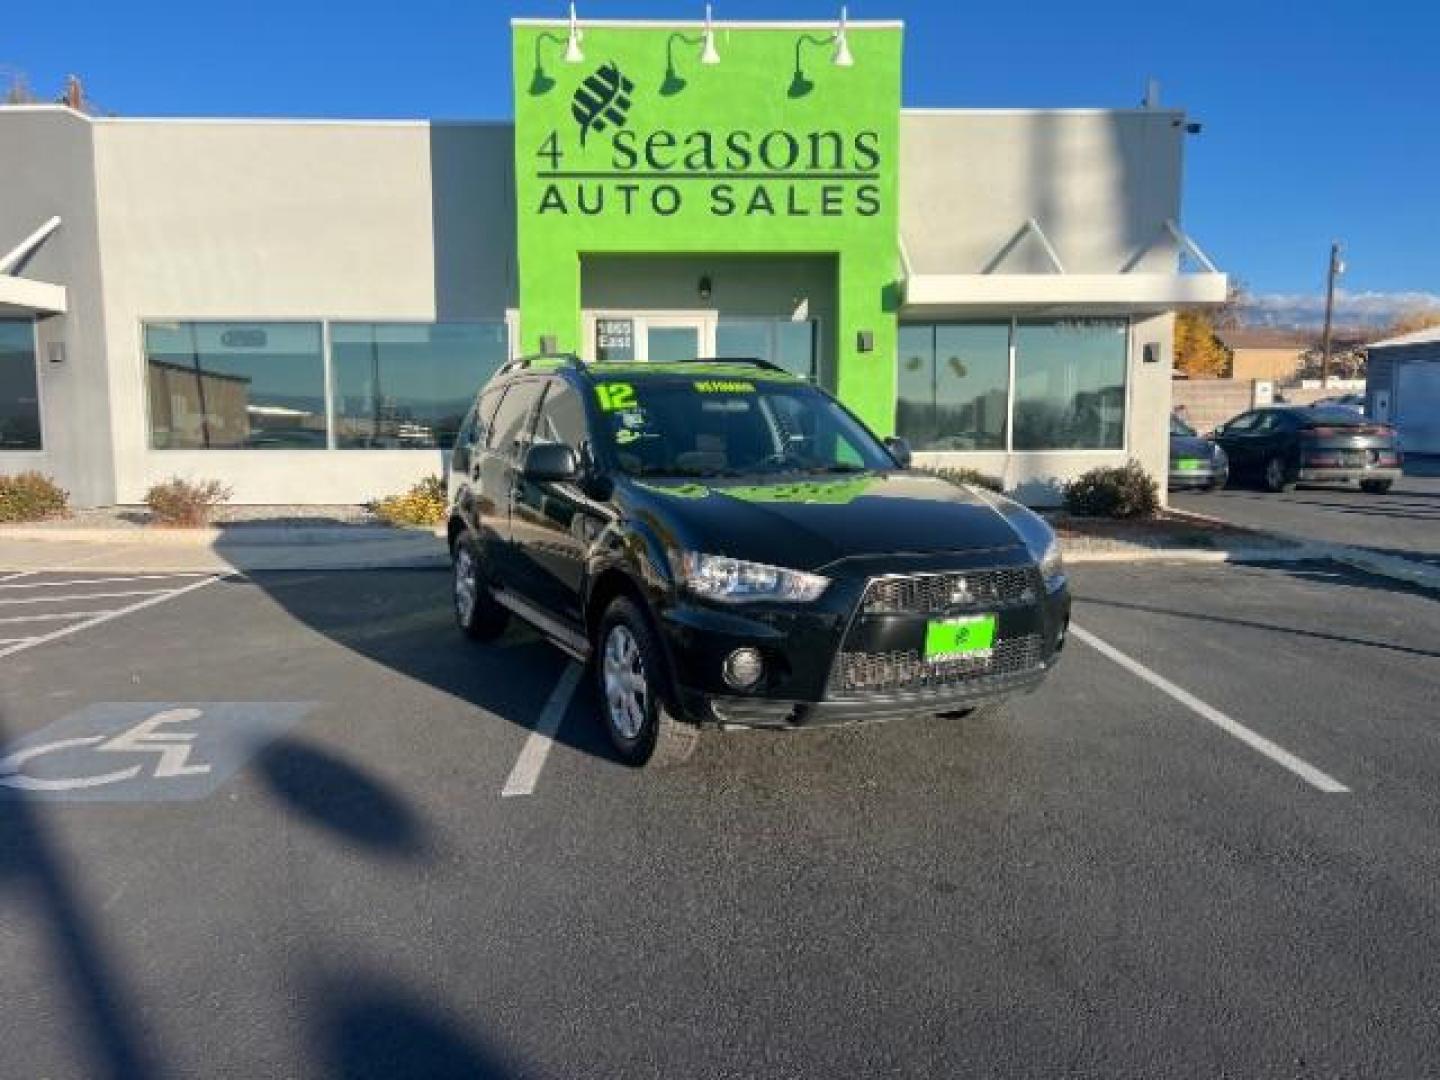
(615, 397)
(724, 386)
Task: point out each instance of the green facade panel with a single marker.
(642, 149)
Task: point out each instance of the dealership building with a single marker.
(304, 309)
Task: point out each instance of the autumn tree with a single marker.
(1198, 352)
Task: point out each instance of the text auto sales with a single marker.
(777, 174)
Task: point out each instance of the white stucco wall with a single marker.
(46, 169)
(293, 220)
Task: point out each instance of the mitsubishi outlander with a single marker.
(726, 544)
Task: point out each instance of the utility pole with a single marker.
(1336, 269)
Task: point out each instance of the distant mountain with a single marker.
(1359, 313)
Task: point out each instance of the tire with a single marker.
(1376, 487)
(476, 611)
(629, 672)
(1277, 476)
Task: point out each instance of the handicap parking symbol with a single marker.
(136, 751)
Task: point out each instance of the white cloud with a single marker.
(1351, 308)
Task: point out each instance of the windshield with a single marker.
(712, 425)
(1180, 427)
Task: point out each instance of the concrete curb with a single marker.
(1189, 555)
(1395, 567)
(217, 536)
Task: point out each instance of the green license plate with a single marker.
(1189, 464)
(946, 639)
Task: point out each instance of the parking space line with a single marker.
(104, 617)
(1252, 739)
(94, 580)
(86, 596)
(53, 615)
(14, 577)
(526, 773)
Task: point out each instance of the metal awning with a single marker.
(26, 296)
(1124, 291)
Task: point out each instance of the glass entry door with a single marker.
(671, 340)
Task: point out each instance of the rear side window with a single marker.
(512, 419)
(1243, 422)
(562, 418)
(1335, 416)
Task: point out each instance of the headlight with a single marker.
(1052, 567)
(716, 577)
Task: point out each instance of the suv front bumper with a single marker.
(802, 648)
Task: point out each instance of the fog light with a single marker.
(742, 668)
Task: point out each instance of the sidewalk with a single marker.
(222, 549)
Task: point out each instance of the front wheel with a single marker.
(1376, 487)
(629, 670)
(1277, 476)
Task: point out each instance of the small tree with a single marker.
(1198, 352)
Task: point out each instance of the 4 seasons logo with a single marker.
(602, 100)
(729, 172)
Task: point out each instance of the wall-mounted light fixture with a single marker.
(709, 55)
(865, 341)
(573, 53)
(549, 344)
(705, 287)
(841, 57)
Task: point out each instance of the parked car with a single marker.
(1195, 462)
(725, 543)
(1353, 402)
(1283, 445)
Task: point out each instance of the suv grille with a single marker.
(903, 671)
(936, 594)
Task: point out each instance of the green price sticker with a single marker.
(615, 397)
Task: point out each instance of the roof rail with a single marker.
(523, 362)
(752, 361)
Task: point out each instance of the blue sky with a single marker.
(1319, 119)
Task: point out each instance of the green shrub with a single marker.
(29, 496)
(424, 504)
(969, 476)
(187, 503)
(1126, 491)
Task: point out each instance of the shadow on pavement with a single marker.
(402, 620)
(368, 1032)
(104, 1015)
(333, 793)
(1316, 573)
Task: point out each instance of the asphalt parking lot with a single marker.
(339, 848)
(1404, 521)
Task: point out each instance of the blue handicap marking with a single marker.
(143, 751)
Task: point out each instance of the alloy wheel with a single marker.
(627, 691)
(464, 584)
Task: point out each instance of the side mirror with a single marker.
(550, 462)
(899, 450)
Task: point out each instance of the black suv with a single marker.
(728, 544)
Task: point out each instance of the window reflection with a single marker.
(400, 385)
(1070, 384)
(19, 392)
(230, 385)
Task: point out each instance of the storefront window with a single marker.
(1070, 384)
(19, 392)
(786, 342)
(233, 385)
(409, 384)
(953, 385)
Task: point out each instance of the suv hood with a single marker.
(809, 522)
